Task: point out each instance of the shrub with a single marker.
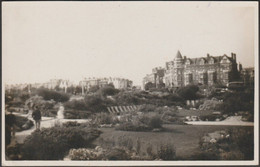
(167, 152)
(128, 98)
(202, 155)
(47, 107)
(22, 123)
(13, 152)
(147, 108)
(232, 155)
(95, 103)
(117, 154)
(155, 122)
(144, 122)
(188, 92)
(99, 154)
(51, 94)
(149, 86)
(108, 91)
(212, 104)
(238, 101)
(53, 143)
(104, 118)
(76, 114)
(76, 105)
(71, 124)
(244, 140)
(237, 144)
(93, 89)
(128, 126)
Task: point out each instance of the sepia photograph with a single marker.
(130, 83)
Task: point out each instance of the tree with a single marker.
(188, 92)
(94, 89)
(149, 85)
(108, 91)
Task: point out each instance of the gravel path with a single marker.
(232, 121)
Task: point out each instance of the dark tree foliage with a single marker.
(53, 143)
(94, 89)
(55, 95)
(149, 86)
(238, 101)
(189, 92)
(95, 103)
(108, 91)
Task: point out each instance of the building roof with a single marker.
(216, 59)
(178, 55)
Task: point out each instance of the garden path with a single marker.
(46, 122)
(232, 121)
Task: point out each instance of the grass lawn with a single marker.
(185, 138)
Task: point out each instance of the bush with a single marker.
(235, 144)
(244, 140)
(212, 104)
(54, 143)
(128, 126)
(128, 98)
(22, 123)
(167, 152)
(108, 91)
(238, 101)
(76, 105)
(51, 94)
(149, 86)
(188, 92)
(71, 124)
(152, 121)
(76, 114)
(147, 108)
(144, 122)
(95, 103)
(104, 118)
(99, 154)
(47, 107)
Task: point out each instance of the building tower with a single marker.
(178, 70)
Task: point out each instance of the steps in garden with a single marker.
(120, 109)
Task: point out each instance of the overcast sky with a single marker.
(72, 40)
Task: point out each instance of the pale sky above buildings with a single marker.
(73, 40)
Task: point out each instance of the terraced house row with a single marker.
(208, 70)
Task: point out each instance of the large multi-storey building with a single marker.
(119, 83)
(207, 70)
(156, 77)
(247, 75)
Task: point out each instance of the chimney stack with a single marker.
(234, 57)
(240, 67)
(207, 55)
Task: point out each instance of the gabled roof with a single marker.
(178, 55)
(217, 59)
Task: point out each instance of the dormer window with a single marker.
(211, 61)
(188, 62)
(202, 62)
(225, 60)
